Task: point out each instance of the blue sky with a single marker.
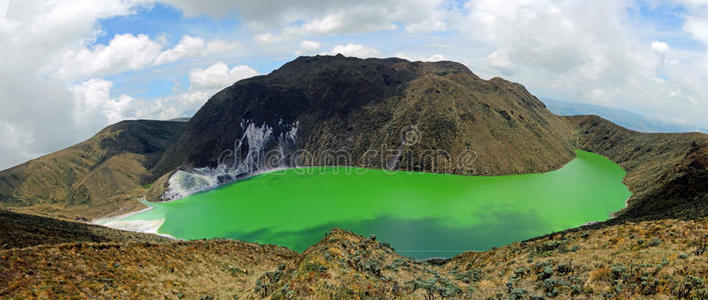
(165, 21)
(89, 63)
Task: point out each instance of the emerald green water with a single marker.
(420, 214)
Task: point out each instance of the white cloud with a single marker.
(217, 46)
(93, 98)
(18, 143)
(696, 19)
(51, 92)
(95, 107)
(267, 38)
(500, 59)
(4, 4)
(414, 57)
(133, 52)
(124, 52)
(659, 46)
(37, 109)
(190, 47)
(359, 20)
(697, 27)
(559, 49)
(355, 50)
(274, 20)
(218, 75)
(308, 47)
(326, 17)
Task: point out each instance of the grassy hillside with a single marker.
(91, 178)
(23, 230)
(666, 172)
(651, 259)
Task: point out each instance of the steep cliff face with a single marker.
(666, 172)
(90, 178)
(381, 113)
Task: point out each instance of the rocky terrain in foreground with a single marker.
(663, 259)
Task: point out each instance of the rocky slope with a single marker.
(666, 172)
(103, 175)
(352, 106)
(651, 259)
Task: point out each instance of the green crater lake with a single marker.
(420, 214)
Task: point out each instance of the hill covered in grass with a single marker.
(651, 259)
(666, 172)
(101, 176)
(23, 230)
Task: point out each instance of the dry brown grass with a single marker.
(100, 176)
(650, 260)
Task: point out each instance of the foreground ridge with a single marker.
(654, 259)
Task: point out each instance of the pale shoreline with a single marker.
(143, 226)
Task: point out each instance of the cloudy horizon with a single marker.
(70, 68)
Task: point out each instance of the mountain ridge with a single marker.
(666, 172)
(352, 105)
(624, 118)
(95, 177)
(370, 102)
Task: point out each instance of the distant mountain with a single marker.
(93, 178)
(620, 117)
